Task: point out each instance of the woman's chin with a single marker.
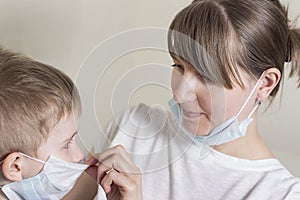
(195, 128)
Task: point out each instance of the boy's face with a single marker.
(61, 142)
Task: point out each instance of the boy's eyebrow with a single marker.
(70, 138)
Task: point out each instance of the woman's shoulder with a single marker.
(145, 115)
(144, 111)
(141, 118)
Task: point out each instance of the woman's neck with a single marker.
(250, 147)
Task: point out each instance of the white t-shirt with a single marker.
(176, 167)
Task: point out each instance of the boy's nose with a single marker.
(78, 154)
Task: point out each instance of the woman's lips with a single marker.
(191, 114)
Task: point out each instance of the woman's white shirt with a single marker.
(176, 167)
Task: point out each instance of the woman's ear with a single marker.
(12, 167)
(269, 81)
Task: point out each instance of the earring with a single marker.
(259, 101)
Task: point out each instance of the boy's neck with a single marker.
(2, 196)
(3, 181)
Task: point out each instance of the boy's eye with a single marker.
(70, 141)
(67, 145)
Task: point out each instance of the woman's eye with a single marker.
(178, 66)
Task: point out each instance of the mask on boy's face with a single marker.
(55, 180)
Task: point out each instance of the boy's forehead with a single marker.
(65, 129)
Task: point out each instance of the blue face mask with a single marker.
(229, 130)
(55, 180)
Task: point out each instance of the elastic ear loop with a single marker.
(40, 161)
(257, 105)
(35, 159)
(249, 97)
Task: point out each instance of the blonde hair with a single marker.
(218, 36)
(33, 98)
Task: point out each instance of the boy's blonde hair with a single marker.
(33, 98)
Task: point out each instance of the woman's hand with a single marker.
(117, 175)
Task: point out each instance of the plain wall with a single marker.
(63, 32)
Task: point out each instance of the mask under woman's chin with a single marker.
(196, 126)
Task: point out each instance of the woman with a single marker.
(228, 59)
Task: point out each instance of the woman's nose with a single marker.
(184, 90)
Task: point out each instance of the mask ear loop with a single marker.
(35, 159)
(40, 161)
(249, 97)
(257, 105)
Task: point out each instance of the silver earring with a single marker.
(259, 101)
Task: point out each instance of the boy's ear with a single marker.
(269, 81)
(12, 167)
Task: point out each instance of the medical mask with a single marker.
(55, 180)
(229, 130)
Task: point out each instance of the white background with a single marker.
(63, 32)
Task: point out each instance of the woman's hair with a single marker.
(34, 97)
(218, 36)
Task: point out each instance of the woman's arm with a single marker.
(119, 177)
(85, 188)
(115, 172)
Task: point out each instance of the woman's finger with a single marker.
(102, 169)
(120, 163)
(91, 161)
(129, 186)
(107, 181)
(115, 157)
(119, 149)
(116, 150)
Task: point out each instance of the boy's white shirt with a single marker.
(174, 167)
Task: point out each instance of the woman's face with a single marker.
(205, 105)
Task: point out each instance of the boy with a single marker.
(39, 158)
(39, 106)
